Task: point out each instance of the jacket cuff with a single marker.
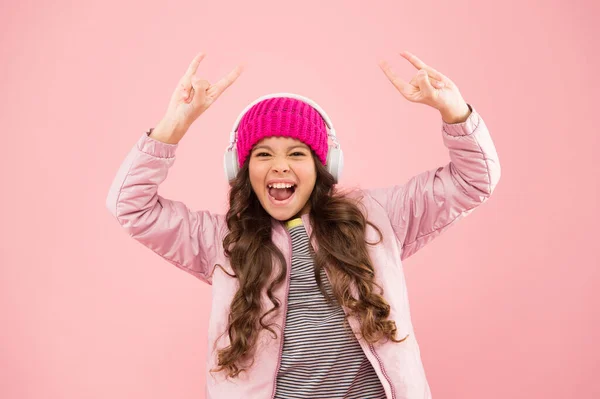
(156, 148)
(464, 128)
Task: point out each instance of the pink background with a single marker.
(505, 304)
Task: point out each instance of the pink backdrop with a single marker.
(505, 304)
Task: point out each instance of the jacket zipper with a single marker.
(382, 368)
(285, 301)
(374, 353)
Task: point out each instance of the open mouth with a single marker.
(281, 193)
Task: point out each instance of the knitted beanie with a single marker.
(282, 116)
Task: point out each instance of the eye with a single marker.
(297, 153)
(262, 154)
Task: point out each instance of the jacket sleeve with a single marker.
(430, 202)
(189, 240)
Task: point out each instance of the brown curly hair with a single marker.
(339, 228)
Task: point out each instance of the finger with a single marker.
(199, 90)
(417, 63)
(396, 81)
(218, 88)
(436, 83)
(402, 85)
(185, 83)
(193, 67)
(424, 83)
(188, 91)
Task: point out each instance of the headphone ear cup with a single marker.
(335, 163)
(230, 164)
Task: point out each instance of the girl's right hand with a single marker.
(190, 99)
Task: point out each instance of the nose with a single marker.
(281, 165)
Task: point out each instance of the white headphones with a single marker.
(335, 156)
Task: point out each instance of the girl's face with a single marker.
(276, 163)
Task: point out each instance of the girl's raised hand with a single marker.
(192, 96)
(430, 87)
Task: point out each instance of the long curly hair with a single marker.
(339, 228)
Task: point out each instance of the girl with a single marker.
(309, 297)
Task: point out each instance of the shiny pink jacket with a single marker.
(409, 215)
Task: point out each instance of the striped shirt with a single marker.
(321, 358)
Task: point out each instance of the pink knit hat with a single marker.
(282, 116)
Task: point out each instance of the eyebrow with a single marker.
(270, 149)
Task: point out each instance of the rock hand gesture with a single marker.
(192, 96)
(432, 88)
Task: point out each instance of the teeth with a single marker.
(281, 185)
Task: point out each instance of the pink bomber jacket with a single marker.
(409, 215)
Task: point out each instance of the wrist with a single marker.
(456, 115)
(167, 132)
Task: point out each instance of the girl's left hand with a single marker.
(430, 87)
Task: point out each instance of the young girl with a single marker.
(309, 296)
